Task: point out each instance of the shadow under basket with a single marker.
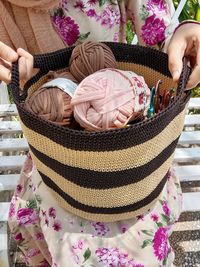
(115, 174)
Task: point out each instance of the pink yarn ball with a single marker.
(109, 99)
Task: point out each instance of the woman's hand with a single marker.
(7, 56)
(185, 42)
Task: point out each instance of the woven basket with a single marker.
(115, 174)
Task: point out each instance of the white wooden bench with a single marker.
(13, 149)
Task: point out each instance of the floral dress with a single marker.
(47, 234)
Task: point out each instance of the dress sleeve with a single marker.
(151, 20)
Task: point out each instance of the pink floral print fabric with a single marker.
(104, 20)
(50, 236)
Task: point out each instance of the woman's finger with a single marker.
(22, 68)
(27, 61)
(176, 53)
(23, 53)
(5, 74)
(6, 64)
(7, 53)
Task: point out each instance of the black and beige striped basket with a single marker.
(115, 174)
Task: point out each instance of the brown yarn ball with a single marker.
(90, 57)
(51, 104)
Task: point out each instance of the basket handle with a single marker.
(45, 62)
(54, 60)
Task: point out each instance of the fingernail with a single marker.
(14, 54)
(176, 75)
(189, 86)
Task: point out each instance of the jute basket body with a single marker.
(111, 175)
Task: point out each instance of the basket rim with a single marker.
(177, 100)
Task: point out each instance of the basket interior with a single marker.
(150, 75)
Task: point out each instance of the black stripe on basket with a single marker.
(102, 180)
(151, 58)
(101, 141)
(102, 210)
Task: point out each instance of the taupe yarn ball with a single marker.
(51, 104)
(89, 57)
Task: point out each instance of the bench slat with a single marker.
(187, 154)
(188, 173)
(192, 120)
(191, 201)
(190, 138)
(194, 103)
(3, 237)
(10, 127)
(8, 110)
(4, 210)
(14, 144)
(8, 181)
(11, 162)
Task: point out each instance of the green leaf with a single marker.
(59, 12)
(32, 204)
(144, 14)
(38, 198)
(197, 16)
(83, 36)
(189, 11)
(159, 224)
(87, 254)
(165, 218)
(164, 262)
(148, 232)
(102, 2)
(146, 243)
(196, 93)
(129, 32)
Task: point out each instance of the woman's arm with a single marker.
(154, 26)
